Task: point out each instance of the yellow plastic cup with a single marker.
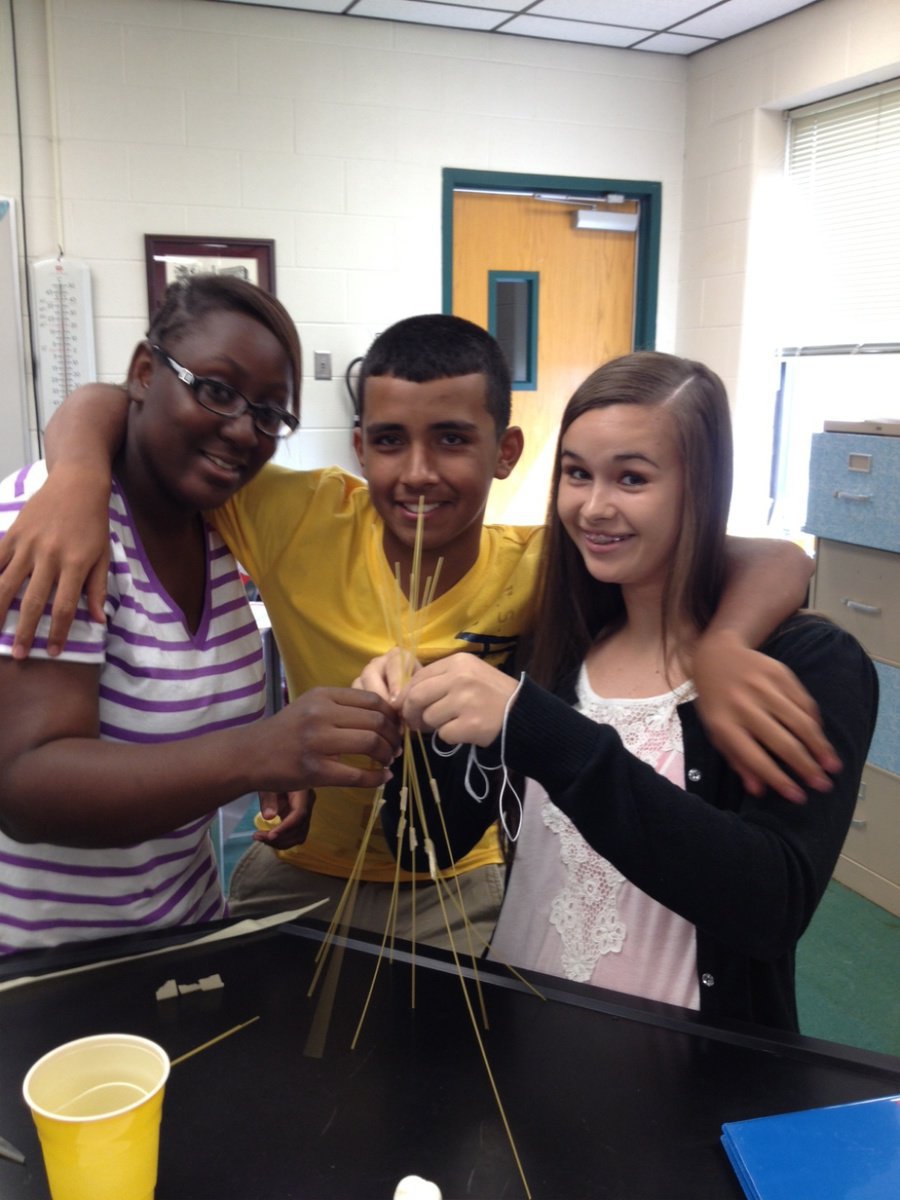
(97, 1104)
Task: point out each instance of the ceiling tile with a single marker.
(333, 7)
(736, 16)
(674, 43)
(418, 12)
(573, 31)
(503, 7)
(645, 14)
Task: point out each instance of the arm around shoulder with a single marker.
(756, 711)
(843, 682)
(767, 580)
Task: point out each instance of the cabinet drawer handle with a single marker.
(858, 823)
(856, 497)
(871, 610)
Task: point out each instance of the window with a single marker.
(513, 320)
(841, 300)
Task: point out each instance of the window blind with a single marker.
(842, 252)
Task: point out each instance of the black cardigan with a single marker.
(747, 872)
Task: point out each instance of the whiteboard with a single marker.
(15, 445)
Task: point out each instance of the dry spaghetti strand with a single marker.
(405, 634)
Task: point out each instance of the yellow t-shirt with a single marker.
(312, 543)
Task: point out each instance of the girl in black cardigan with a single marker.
(643, 862)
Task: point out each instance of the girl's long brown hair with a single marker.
(573, 608)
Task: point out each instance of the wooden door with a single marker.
(585, 315)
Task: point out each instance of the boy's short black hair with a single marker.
(440, 346)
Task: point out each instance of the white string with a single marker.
(472, 764)
(449, 752)
(506, 780)
(475, 767)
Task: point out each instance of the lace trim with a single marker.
(585, 913)
(649, 726)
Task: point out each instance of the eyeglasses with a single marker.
(226, 401)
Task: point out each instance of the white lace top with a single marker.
(567, 910)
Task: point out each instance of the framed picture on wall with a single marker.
(170, 258)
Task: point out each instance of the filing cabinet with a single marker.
(854, 512)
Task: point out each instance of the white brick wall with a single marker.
(329, 135)
(184, 116)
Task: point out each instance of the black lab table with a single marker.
(606, 1098)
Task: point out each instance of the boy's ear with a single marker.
(358, 448)
(140, 371)
(509, 451)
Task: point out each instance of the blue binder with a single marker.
(846, 1152)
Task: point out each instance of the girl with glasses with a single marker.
(115, 755)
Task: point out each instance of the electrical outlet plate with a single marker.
(321, 364)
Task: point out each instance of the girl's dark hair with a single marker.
(573, 607)
(440, 346)
(196, 296)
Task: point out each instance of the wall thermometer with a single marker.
(64, 324)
